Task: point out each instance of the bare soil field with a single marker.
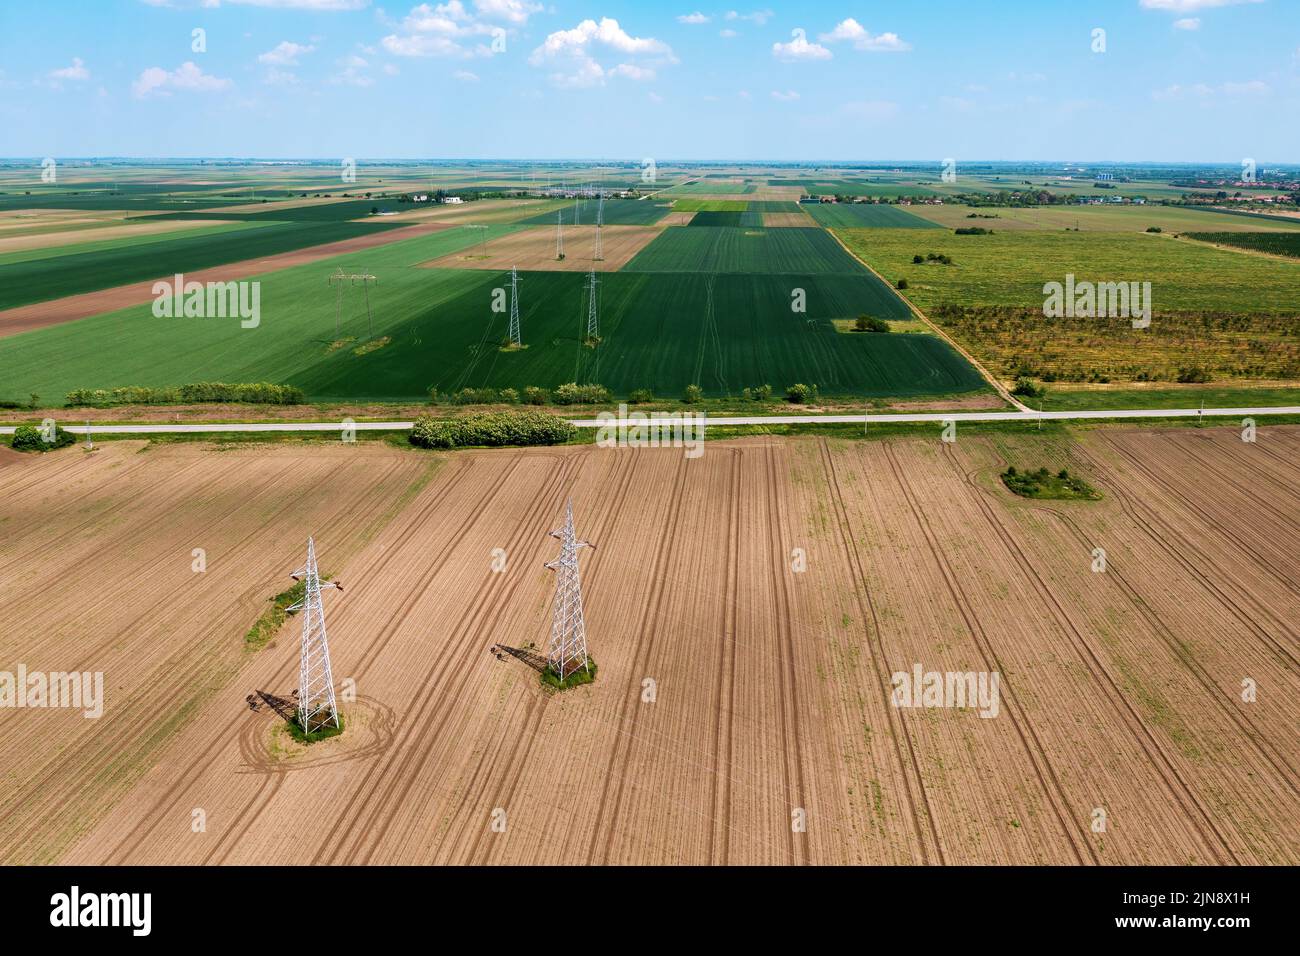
(533, 250)
(38, 315)
(747, 610)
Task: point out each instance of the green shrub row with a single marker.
(493, 429)
(255, 393)
(569, 394)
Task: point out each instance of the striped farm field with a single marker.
(617, 212)
(733, 249)
(661, 331)
(865, 215)
(63, 272)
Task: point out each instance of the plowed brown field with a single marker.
(742, 710)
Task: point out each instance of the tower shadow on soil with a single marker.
(285, 708)
(529, 656)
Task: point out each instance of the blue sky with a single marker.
(1178, 80)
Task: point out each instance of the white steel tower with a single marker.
(514, 307)
(316, 706)
(593, 316)
(567, 651)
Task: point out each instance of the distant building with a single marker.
(453, 200)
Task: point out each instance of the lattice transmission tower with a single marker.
(559, 234)
(567, 651)
(352, 278)
(593, 313)
(599, 254)
(514, 308)
(316, 705)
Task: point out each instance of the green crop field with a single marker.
(732, 249)
(59, 273)
(710, 205)
(659, 331)
(865, 215)
(708, 187)
(711, 218)
(1276, 243)
(618, 212)
(855, 187)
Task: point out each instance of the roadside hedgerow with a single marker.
(492, 429)
(253, 393)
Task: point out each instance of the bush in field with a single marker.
(493, 429)
(536, 396)
(1190, 375)
(1025, 387)
(693, 395)
(571, 393)
(637, 396)
(901, 284)
(800, 394)
(28, 438)
(760, 394)
(509, 396)
(869, 323)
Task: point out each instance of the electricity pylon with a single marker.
(559, 234)
(593, 316)
(577, 200)
(316, 706)
(567, 651)
(514, 308)
(599, 254)
(337, 280)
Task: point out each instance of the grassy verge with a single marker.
(274, 616)
(1214, 396)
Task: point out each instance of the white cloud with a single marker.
(862, 39)
(186, 78)
(727, 34)
(586, 73)
(1250, 88)
(77, 71)
(588, 33)
(758, 17)
(788, 96)
(693, 18)
(632, 72)
(465, 76)
(1204, 90)
(576, 50)
(1191, 6)
(1188, 23)
(438, 29)
(353, 72)
(800, 49)
(285, 53)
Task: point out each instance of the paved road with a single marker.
(907, 418)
